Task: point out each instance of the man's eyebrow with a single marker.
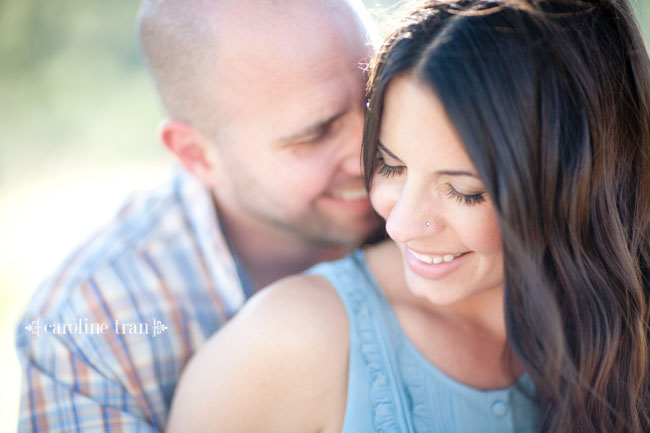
(312, 129)
(387, 151)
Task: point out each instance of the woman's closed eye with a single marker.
(386, 170)
(468, 199)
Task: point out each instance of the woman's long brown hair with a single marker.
(552, 102)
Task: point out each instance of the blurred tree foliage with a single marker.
(72, 83)
(37, 31)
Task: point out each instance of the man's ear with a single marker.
(195, 151)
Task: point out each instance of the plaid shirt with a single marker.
(104, 341)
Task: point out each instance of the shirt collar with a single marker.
(224, 270)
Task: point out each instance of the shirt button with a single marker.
(499, 408)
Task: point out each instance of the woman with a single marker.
(507, 145)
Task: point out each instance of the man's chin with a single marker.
(349, 236)
(353, 207)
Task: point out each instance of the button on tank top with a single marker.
(391, 386)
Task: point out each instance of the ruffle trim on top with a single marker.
(381, 394)
(416, 394)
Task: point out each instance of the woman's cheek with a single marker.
(479, 229)
(382, 196)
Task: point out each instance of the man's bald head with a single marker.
(190, 45)
(277, 85)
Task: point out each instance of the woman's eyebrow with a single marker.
(387, 151)
(457, 173)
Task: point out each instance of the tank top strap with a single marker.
(372, 358)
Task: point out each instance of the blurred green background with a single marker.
(78, 133)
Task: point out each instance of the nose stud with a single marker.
(428, 223)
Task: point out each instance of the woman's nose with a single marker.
(414, 215)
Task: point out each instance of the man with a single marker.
(265, 115)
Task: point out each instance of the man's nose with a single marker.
(351, 152)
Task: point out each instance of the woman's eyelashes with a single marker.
(386, 170)
(468, 199)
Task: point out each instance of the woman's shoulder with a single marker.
(284, 356)
(313, 294)
(301, 311)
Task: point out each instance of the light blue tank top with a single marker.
(391, 386)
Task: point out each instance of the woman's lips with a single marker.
(434, 266)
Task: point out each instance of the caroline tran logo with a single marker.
(154, 327)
